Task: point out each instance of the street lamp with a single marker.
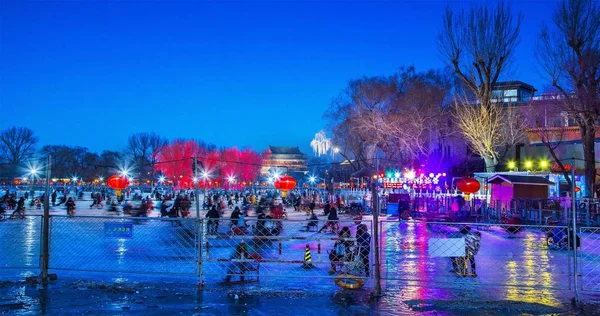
(528, 164)
(511, 165)
(544, 164)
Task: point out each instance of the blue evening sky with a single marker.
(241, 73)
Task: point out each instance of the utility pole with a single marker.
(197, 188)
(574, 235)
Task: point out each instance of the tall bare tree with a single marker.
(569, 52)
(546, 123)
(143, 149)
(17, 144)
(479, 44)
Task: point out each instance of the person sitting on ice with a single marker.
(313, 221)
(332, 219)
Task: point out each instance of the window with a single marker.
(510, 93)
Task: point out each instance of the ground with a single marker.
(509, 266)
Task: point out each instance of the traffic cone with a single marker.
(307, 259)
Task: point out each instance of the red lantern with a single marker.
(117, 182)
(577, 189)
(468, 185)
(285, 184)
(16, 181)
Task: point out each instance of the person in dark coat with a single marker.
(213, 222)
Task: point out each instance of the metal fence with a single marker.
(456, 254)
(283, 248)
(589, 258)
(436, 254)
(21, 238)
(124, 244)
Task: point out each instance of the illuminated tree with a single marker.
(479, 44)
(320, 144)
(175, 161)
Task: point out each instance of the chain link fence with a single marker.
(124, 244)
(457, 254)
(434, 254)
(589, 256)
(256, 248)
(21, 240)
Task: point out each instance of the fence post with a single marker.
(46, 235)
(376, 239)
(199, 232)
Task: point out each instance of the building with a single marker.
(288, 160)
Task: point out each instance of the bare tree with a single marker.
(479, 44)
(547, 126)
(570, 55)
(143, 149)
(17, 144)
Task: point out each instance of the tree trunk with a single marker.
(490, 164)
(588, 140)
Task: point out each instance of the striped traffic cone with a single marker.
(307, 259)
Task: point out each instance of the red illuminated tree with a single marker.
(175, 161)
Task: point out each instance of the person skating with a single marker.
(363, 240)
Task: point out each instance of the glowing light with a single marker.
(544, 164)
(195, 180)
(511, 165)
(101, 179)
(397, 174)
(336, 150)
(74, 179)
(528, 164)
(410, 174)
(33, 171)
(443, 174)
(312, 179)
(161, 179)
(231, 179)
(276, 175)
(271, 180)
(204, 175)
(431, 175)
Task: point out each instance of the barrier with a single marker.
(506, 255)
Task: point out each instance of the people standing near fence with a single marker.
(363, 240)
(341, 249)
(213, 220)
(473, 243)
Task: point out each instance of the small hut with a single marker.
(506, 187)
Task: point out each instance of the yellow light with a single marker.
(511, 165)
(544, 164)
(528, 164)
